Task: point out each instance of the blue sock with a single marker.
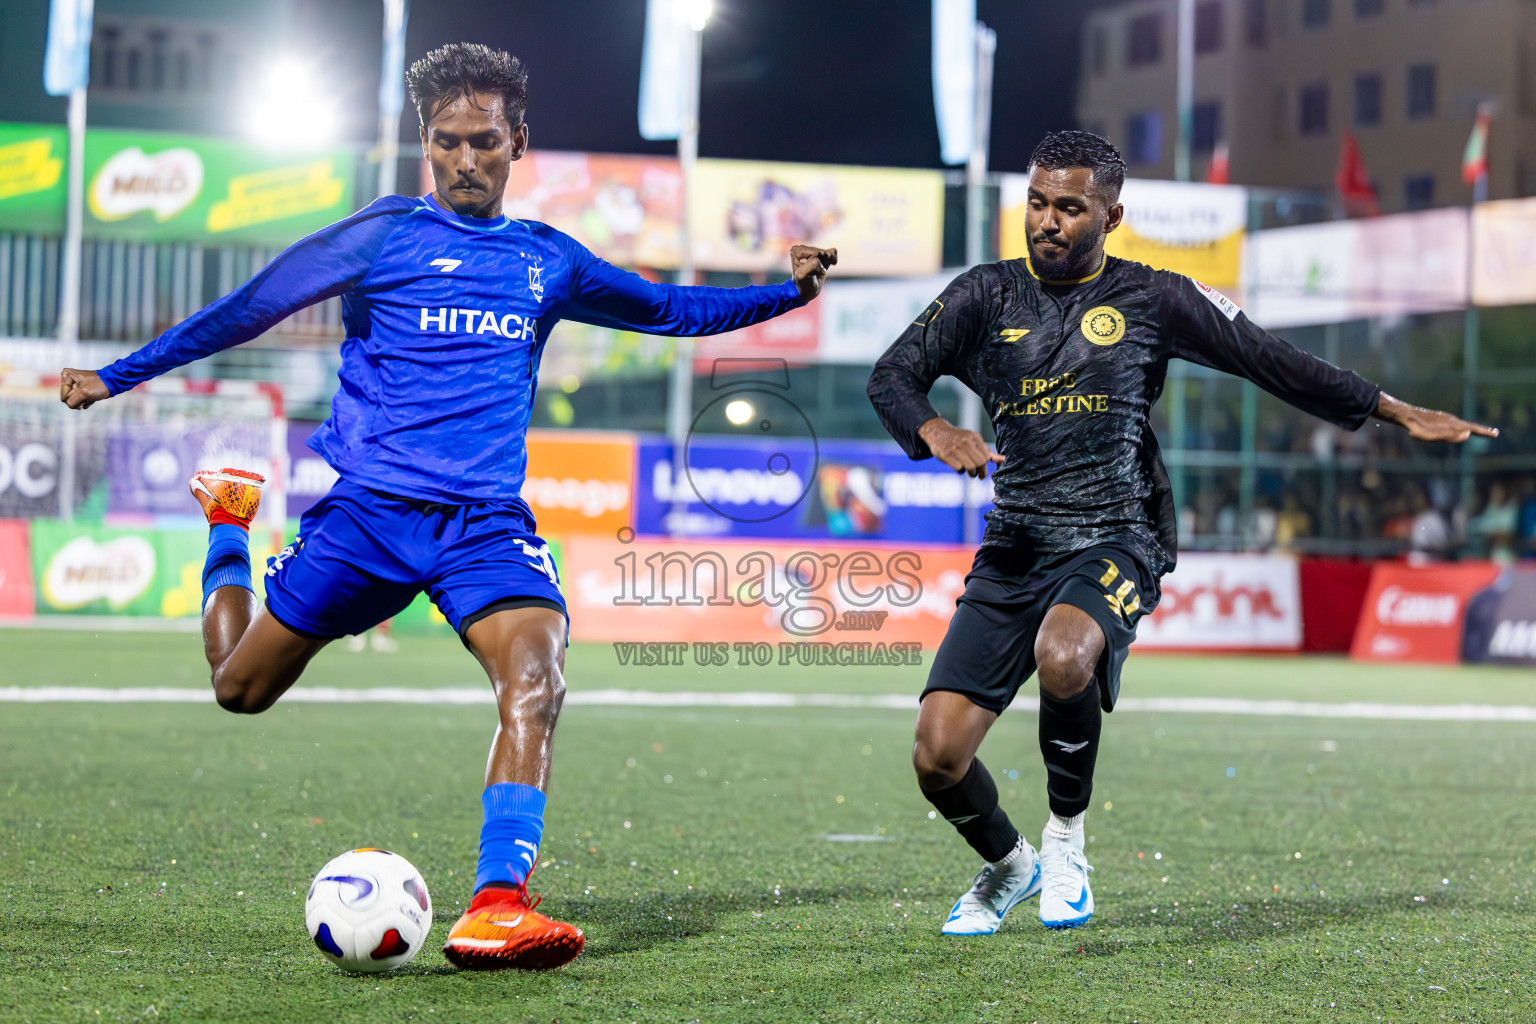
(509, 839)
(229, 560)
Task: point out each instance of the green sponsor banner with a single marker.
(151, 187)
(106, 570)
(33, 163)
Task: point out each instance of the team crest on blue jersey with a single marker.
(536, 281)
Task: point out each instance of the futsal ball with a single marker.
(368, 911)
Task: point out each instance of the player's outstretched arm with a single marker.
(1429, 424)
(81, 389)
(602, 294)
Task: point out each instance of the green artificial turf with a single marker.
(724, 899)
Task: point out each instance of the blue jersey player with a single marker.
(447, 304)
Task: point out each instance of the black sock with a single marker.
(1069, 742)
(971, 806)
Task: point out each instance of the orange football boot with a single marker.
(501, 930)
(228, 495)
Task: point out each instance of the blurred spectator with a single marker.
(1495, 526)
(1430, 537)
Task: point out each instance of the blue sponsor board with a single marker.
(799, 487)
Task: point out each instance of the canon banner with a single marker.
(1216, 601)
(797, 487)
(1416, 613)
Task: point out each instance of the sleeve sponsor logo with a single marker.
(1229, 309)
(928, 314)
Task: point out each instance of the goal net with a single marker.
(128, 459)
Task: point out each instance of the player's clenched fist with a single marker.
(80, 389)
(809, 266)
(961, 450)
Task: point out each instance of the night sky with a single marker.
(839, 81)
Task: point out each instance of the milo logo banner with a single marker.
(149, 187)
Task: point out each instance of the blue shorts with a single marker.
(361, 556)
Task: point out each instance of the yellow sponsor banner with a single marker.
(277, 194)
(744, 215)
(1504, 252)
(1189, 228)
(32, 177)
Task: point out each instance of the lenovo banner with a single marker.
(1235, 602)
(1416, 613)
(799, 487)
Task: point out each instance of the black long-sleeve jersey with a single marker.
(1068, 372)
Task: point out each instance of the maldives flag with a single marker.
(1353, 182)
(1474, 162)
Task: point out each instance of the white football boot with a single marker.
(996, 890)
(1065, 899)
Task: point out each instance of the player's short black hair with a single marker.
(1062, 150)
(460, 69)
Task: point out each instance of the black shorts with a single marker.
(989, 650)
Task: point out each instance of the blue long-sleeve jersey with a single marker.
(446, 319)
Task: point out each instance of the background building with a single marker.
(1282, 81)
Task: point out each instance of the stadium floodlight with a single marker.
(292, 107)
(696, 13)
(739, 412)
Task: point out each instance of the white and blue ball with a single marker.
(368, 911)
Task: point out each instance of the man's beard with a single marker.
(1070, 266)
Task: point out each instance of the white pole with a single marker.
(975, 229)
(680, 398)
(390, 95)
(69, 290)
(1186, 89)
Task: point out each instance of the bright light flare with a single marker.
(739, 412)
(292, 107)
(696, 13)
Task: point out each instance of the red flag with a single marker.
(1219, 171)
(1353, 182)
(1474, 162)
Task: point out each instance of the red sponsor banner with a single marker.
(1228, 602)
(1415, 613)
(1332, 594)
(794, 337)
(580, 481)
(766, 593)
(16, 595)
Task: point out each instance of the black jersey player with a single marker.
(1068, 349)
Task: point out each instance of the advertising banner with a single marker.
(1219, 601)
(99, 570)
(860, 319)
(32, 180)
(799, 487)
(580, 481)
(309, 476)
(626, 209)
(1189, 228)
(793, 338)
(745, 215)
(148, 464)
(1503, 252)
(1501, 620)
(1416, 613)
(150, 187)
(849, 599)
(15, 569)
(1353, 270)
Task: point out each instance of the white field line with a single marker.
(761, 699)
